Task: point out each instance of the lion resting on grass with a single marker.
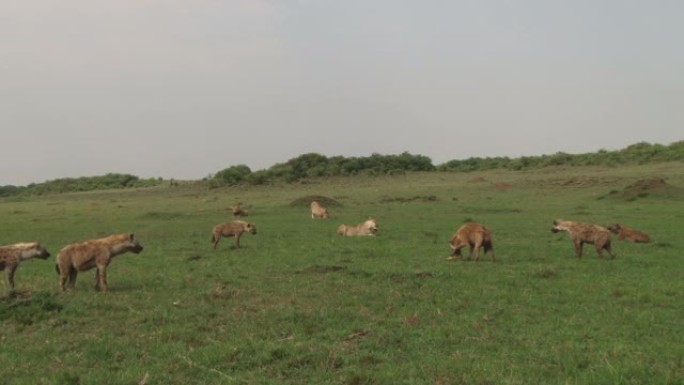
(582, 233)
(625, 233)
(367, 228)
(474, 235)
(12, 255)
(318, 211)
(97, 253)
(231, 229)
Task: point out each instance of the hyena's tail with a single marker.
(57, 268)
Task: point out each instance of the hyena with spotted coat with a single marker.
(582, 233)
(474, 235)
(12, 255)
(95, 253)
(318, 211)
(626, 233)
(231, 229)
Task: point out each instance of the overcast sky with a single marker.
(182, 89)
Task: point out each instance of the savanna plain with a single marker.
(298, 304)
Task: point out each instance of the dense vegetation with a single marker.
(62, 185)
(316, 165)
(313, 165)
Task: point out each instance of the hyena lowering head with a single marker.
(96, 253)
(476, 237)
(318, 211)
(582, 233)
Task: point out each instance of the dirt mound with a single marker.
(323, 200)
(649, 188)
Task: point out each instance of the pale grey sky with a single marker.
(182, 89)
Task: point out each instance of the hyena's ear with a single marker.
(131, 237)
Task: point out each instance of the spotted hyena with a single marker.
(231, 229)
(625, 233)
(318, 211)
(474, 235)
(582, 233)
(95, 253)
(12, 255)
(238, 211)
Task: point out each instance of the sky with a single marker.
(182, 89)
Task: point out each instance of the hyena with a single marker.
(318, 211)
(95, 253)
(238, 211)
(582, 233)
(12, 255)
(474, 235)
(231, 229)
(624, 232)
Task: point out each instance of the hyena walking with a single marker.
(582, 233)
(12, 255)
(95, 253)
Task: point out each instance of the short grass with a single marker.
(299, 305)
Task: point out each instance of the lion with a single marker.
(232, 229)
(318, 211)
(626, 233)
(474, 235)
(582, 233)
(95, 253)
(238, 211)
(367, 228)
(12, 255)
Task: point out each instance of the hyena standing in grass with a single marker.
(231, 229)
(582, 233)
(93, 253)
(12, 255)
(318, 211)
(474, 235)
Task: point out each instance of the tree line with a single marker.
(313, 165)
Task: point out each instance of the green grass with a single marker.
(299, 305)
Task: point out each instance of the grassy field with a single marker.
(300, 305)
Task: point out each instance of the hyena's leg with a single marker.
(608, 249)
(10, 275)
(578, 248)
(489, 247)
(476, 250)
(73, 273)
(237, 240)
(217, 238)
(102, 274)
(96, 280)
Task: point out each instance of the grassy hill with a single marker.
(299, 305)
